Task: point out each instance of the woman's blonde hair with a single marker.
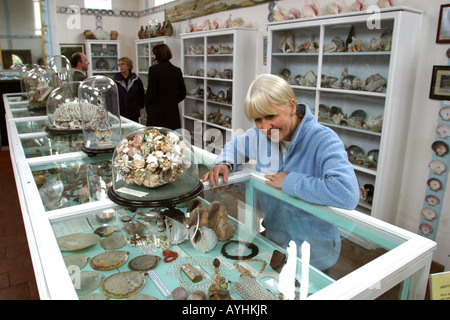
(128, 61)
(266, 90)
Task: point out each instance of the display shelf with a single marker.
(144, 57)
(218, 67)
(353, 64)
(103, 57)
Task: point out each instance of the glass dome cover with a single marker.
(100, 114)
(61, 69)
(38, 85)
(63, 109)
(154, 166)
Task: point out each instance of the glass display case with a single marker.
(261, 242)
(39, 84)
(103, 57)
(100, 115)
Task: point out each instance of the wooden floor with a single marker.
(17, 281)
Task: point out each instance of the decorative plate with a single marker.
(109, 260)
(77, 241)
(123, 285)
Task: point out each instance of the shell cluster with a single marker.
(150, 158)
(68, 114)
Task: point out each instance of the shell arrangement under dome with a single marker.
(68, 114)
(150, 158)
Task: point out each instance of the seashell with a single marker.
(437, 166)
(219, 222)
(440, 148)
(426, 229)
(286, 43)
(310, 10)
(94, 296)
(358, 5)
(109, 260)
(79, 260)
(226, 74)
(444, 113)
(212, 72)
(77, 241)
(89, 281)
(375, 123)
(142, 296)
(334, 8)
(113, 242)
(434, 184)
(375, 83)
(385, 4)
(123, 285)
(106, 231)
(105, 216)
(294, 13)
(177, 232)
(429, 214)
(285, 74)
(359, 115)
(132, 227)
(179, 293)
(432, 200)
(202, 238)
(144, 263)
(443, 131)
(51, 193)
(197, 295)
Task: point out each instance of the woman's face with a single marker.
(123, 66)
(281, 124)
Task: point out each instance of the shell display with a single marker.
(114, 241)
(88, 282)
(106, 231)
(144, 263)
(77, 241)
(79, 260)
(123, 285)
(68, 114)
(151, 159)
(109, 260)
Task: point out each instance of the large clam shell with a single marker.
(123, 285)
(77, 241)
(79, 260)
(114, 241)
(144, 263)
(109, 260)
(88, 282)
(106, 231)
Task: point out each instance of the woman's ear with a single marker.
(293, 107)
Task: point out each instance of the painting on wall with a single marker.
(180, 10)
(69, 49)
(443, 33)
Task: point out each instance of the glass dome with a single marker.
(38, 85)
(100, 115)
(62, 70)
(154, 167)
(63, 109)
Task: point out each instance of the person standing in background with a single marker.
(79, 64)
(165, 90)
(131, 90)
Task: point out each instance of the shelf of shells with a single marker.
(144, 57)
(215, 80)
(102, 57)
(342, 67)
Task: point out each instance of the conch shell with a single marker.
(202, 238)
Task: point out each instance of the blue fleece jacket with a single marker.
(316, 163)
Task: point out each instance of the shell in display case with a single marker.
(63, 109)
(39, 85)
(154, 166)
(100, 115)
(61, 69)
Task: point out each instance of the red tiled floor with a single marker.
(17, 280)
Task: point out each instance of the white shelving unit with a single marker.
(102, 56)
(394, 63)
(144, 58)
(218, 67)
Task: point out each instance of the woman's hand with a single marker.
(276, 179)
(213, 174)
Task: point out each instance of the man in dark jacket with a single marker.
(165, 90)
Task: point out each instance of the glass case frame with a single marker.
(407, 260)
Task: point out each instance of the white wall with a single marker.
(424, 111)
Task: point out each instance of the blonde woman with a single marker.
(297, 154)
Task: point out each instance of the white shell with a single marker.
(88, 282)
(202, 238)
(77, 241)
(123, 285)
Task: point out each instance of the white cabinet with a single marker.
(218, 67)
(144, 54)
(340, 86)
(103, 57)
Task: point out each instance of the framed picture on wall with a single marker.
(440, 83)
(70, 48)
(443, 32)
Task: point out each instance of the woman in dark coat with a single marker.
(165, 90)
(131, 90)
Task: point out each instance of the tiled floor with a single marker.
(17, 280)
